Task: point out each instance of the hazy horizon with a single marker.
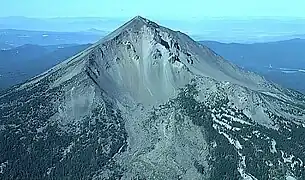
(225, 21)
(165, 19)
(158, 9)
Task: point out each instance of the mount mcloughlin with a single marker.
(146, 102)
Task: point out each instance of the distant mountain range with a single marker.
(62, 24)
(217, 29)
(14, 38)
(282, 62)
(24, 62)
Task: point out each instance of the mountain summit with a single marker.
(146, 102)
(155, 61)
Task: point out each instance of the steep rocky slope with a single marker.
(147, 102)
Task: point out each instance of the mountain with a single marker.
(24, 62)
(279, 61)
(146, 102)
(17, 37)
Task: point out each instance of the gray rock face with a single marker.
(147, 102)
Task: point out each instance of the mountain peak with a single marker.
(138, 22)
(152, 61)
(135, 25)
(141, 19)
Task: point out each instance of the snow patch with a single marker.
(301, 165)
(256, 133)
(240, 121)
(247, 113)
(236, 129)
(273, 149)
(50, 170)
(287, 159)
(241, 168)
(269, 163)
(3, 166)
(237, 119)
(67, 150)
(293, 164)
(223, 124)
(290, 178)
(236, 143)
(246, 139)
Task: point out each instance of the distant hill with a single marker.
(96, 31)
(278, 61)
(57, 56)
(21, 63)
(288, 54)
(13, 57)
(290, 79)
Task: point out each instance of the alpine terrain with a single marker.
(146, 102)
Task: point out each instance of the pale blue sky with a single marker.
(168, 9)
